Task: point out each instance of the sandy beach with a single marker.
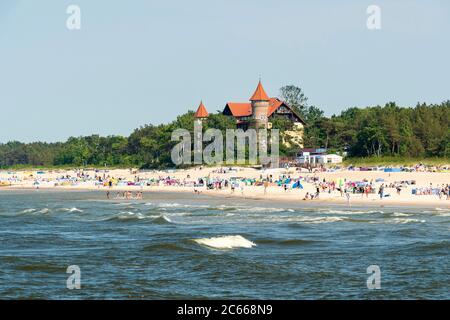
(184, 181)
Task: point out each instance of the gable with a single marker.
(276, 106)
(280, 107)
(238, 109)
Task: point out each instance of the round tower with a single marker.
(201, 113)
(260, 107)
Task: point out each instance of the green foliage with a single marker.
(395, 161)
(423, 131)
(295, 98)
(281, 123)
(389, 133)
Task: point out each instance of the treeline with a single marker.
(422, 131)
(147, 147)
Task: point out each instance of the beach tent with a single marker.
(392, 170)
(297, 185)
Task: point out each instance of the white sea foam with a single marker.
(225, 207)
(260, 209)
(130, 216)
(169, 205)
(123, 204)
(45, 210)
(72, 210)
(323, 219)
(226, 242)
(254, 219)
(178, 205)
(29, 210)
(349, 212)
(403, 221)
(166, 218)
(301, 219)
(442, 212)
(400, 214)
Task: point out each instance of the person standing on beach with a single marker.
(347, 195)
(317, 192)
(381, 191)
(266, 184)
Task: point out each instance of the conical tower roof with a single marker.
(260, 94)
(201, 111)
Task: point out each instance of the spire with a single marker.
(201, 111)
(260, 94)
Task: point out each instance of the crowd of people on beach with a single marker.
(215, 180)
(443, 191)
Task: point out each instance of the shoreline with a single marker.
(248, 185)
(291, 197)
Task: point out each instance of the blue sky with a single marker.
(141, 61)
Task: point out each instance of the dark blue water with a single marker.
(151, 249)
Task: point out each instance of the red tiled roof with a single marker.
(201, 111)
(240, 109)
(274, 104)
(245, 109)
(260, 94)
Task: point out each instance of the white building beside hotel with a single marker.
(318, 157)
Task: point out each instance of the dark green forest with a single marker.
(378, 131)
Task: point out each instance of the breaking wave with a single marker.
(72, 209)
(442, 212)
(124, 216)
(333, 211)
(405, 220)
(226, 242)
(324, 219)
(31, 210)
(261, 209)
(400, 214)
(162, 220)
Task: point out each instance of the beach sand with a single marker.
(26, 180)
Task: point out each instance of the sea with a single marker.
(80, 245)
